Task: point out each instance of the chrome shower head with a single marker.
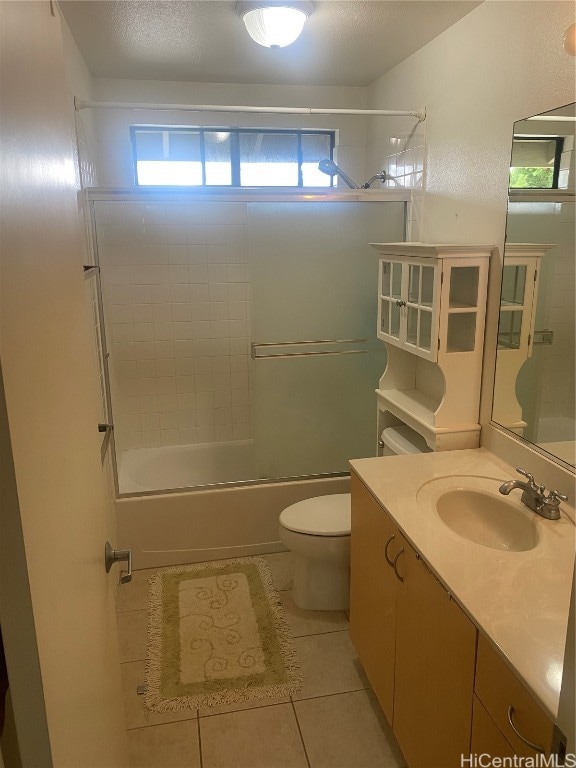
(331, 169)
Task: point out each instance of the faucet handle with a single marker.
(527, 475)
(550, 507)
(554, 496)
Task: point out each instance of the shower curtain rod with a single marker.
(81, 104)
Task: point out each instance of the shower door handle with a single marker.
(112, 556)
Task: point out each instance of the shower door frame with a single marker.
(246, 195)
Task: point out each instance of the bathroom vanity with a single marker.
(460, 626)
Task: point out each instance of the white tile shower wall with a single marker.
(176, 293)
(558, 397)
(557, 392)
(399, 147)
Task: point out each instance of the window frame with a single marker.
(234, 153)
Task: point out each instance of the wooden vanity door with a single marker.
(373, 592)
(435, 657)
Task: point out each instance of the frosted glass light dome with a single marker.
(274, 26)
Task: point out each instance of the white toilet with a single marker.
(317, 531)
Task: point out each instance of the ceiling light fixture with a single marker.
(274, 23)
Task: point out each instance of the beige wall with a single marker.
(79, 82)
(52, 402)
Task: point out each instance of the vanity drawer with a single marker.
(486, 737)
(502, 693)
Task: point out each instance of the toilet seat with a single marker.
(319, 516)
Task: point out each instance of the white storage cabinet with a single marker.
(431, 312)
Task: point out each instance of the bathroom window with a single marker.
(224, 157)
(535, 162)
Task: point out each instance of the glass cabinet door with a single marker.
(462, 308)
(512, 306)
(390, 298)
(407, 311)
(419, 306)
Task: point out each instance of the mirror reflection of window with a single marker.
(535, 162)
(535, 389)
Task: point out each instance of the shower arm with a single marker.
(381, 176)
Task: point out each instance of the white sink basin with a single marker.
(472, 508)
(487, 520)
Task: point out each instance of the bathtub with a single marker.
(189, 526)
(185, 466)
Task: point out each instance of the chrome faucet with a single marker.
(534, 497)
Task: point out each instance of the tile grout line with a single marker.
(317, 634)
(157, 725)
(334, 693)
(300, 732)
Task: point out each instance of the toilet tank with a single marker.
(402, 440)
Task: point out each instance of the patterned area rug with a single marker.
(217, 634)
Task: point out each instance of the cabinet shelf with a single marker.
(412, 403)
(462, 308)
(419, 411)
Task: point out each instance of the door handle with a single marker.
(112, 556)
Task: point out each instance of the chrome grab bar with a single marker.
(255, 346)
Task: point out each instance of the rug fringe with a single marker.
(153, 698)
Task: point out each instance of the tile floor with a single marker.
(333, 722)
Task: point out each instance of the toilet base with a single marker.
(321, 585)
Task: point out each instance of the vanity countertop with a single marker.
(519, 599)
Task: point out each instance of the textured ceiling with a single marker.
(345, 42)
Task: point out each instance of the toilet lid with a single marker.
(320, 516)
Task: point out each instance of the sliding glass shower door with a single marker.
(315, 357)
(241, 335)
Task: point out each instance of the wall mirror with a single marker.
(534, 394)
